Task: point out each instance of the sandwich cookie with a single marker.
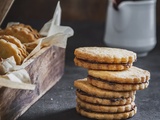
(17, 42)
(106, 116)
(104, 58)
(127, 80)
(8, 49)
(103, 101)
(105, 108)
(24, 33)
(84, 86)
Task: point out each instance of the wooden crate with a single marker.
(4, 8)
(44, 72)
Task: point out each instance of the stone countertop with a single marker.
(59, 102)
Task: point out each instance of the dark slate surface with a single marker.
(59, 102)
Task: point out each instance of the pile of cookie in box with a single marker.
(14, 41)
(108, 92)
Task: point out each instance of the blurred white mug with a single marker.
(132, 26)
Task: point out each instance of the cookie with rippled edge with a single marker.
(84, 86)
(103, 101)
(17, 42)
(105, 108)
(106, 116)
(104, 84)
(24, 33)
(104, 58)
(133, 75)
(8, 49)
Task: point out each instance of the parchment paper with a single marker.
(15, 76)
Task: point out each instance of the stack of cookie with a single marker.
(13, 39)
(108, 92)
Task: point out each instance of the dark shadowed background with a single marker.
(37, 12)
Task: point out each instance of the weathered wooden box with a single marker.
(44, 72)
(46, 69)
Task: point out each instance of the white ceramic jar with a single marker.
(132, 26)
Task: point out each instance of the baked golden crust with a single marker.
(104, 101)
(107, 116)
(105, 55)
(109, 90)
(132, 75)
(13, 40)
(8, 49)
(116, 86)
(105, 108)
(102, 66)
(24, 33)
(17, 42)
(83, 85)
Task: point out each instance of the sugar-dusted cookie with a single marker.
(132, 75)
(105, 108)
(24, 33)
(106, 116)
(8, 49)
(104, 58)
(103, 101)
(84, 86)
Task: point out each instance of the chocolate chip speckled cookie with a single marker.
(104, 58)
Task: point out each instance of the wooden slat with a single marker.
(4, 8)
(45, 71)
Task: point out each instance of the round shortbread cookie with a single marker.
(8, 49)
(107, 116)
(24, 33)
(103, 84)
(105, 55)
(105, 108)
(83, 85)
(13, 40)
(132, 75)
(17, 42)
(104, 101)
(102, 66)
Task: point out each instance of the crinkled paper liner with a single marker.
(15, 76)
